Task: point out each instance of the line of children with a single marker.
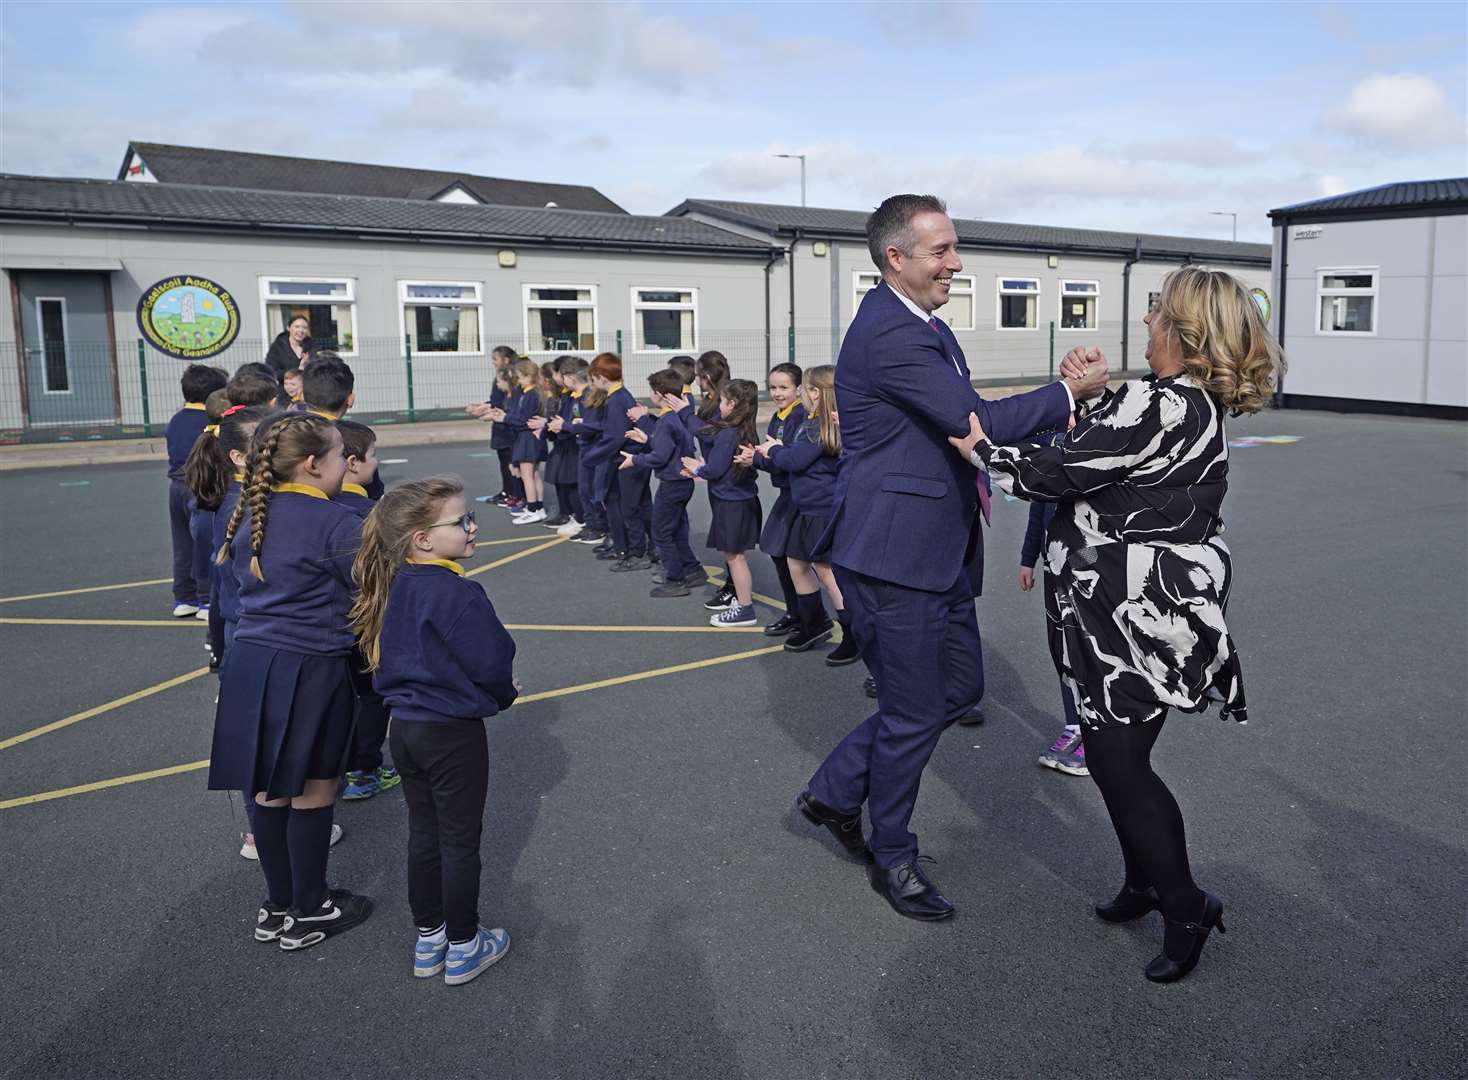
(662, 453)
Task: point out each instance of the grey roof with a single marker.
(252, 211)
(1387, 200)
(784, 220)
(271, 172)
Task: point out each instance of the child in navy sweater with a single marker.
(284, 720)
(1067, 753)
(733, 494)
(366, 774)
(183, 431)
(443, 661)
(663, 452)
(783, 384)
(564, 469)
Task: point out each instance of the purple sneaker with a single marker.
(1061, 748)
(1074, 763)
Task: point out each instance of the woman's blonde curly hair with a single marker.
(1216, 327)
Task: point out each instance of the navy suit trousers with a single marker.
(670, 528)
(924, 650)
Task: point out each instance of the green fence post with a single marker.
(790, 343)
(619, 343)
(1052, 350)
(143, 383)
(408, 367)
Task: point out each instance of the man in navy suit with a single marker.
(906, 534)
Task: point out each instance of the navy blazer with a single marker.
(904, 507)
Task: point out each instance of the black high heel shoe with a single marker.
(1164, 969)
(1129, 904)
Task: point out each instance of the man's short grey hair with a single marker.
(890, 224)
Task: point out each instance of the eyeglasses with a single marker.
(463, 521)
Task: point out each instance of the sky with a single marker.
(1140, 117)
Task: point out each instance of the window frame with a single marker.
(638, 305)
(1000, 292)
(1060, 327)
(525, 305)
(404, 300)
(349, 301)
(65, 350)
(857, 290)
(1321, 293)
(972, 292)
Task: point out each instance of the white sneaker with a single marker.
(202, 613)
(247, 847)
(571, 528)
(183, 611)
(336, 834)
(529, 517)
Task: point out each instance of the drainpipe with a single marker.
(790, 269)
(769, 273)
(1284, 273)
(1126, 297)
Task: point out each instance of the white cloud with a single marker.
(1333, 185)
(1398, 112)
(1203, 151)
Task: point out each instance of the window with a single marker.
(1347, 301)
(51, 335)
(863, 282)
(958, 313)
(560, 318)
(665, 320)
(1018, 304)
(441, 316)
(1078, 304)
(328, 303)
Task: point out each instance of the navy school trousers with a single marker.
(924, 650)
(670, 528)
(629, 507)
(185, 584)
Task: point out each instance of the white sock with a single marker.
(435, 937)
(474, 941)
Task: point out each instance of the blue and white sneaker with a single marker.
(736, 614)
(428, 956)
(467, 959)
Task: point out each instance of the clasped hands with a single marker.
(1084, 370)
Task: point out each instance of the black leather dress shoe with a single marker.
(846, 828)
(785, 624)
(910, 892)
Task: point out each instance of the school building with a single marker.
(113, 286)
(1370, 289)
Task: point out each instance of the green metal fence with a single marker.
(127, 389)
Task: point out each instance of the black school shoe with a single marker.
(556, 522)
(847, 652)
(630, 563)
(609, 553)
(808, 637)
(698, 576)
(785, 624)
(669, 588)
(338, 913)
(589, 536)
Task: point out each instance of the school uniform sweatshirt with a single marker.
(726, 480)
(666, 448)
(445, 655)
(182, 432)
(811, 470)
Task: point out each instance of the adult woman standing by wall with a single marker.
(291, 347)
(1140, 576)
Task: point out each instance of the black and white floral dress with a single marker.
(1138, 573)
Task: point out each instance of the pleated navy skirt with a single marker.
(806, 536)
(283, 718)
(735, 524)
(563, 465)
(527, 448)
(774, 538)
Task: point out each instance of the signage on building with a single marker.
(1262, 299)
(1308, 232)
(189, 317)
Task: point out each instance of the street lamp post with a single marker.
(801, 158)
(1228, 214)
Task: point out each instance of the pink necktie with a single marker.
(983, 475)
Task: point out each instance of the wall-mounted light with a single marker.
(507, 258)
(1052, 261)
(818, 249)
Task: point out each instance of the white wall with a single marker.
(1419, 351)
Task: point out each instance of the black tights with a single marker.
(1146, 817)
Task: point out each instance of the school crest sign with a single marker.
(191, 318)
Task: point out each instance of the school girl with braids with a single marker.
(443, 662)
(284, 720)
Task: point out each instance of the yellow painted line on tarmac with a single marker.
(574, 629)
(517, 555)
(88, 589)
(190, 623)
(194, 766)
(116, 703)
(102, 785)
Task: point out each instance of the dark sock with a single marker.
(811, 612)
(310, 840)
(787, 585)
(536, 506)
(271, 824)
